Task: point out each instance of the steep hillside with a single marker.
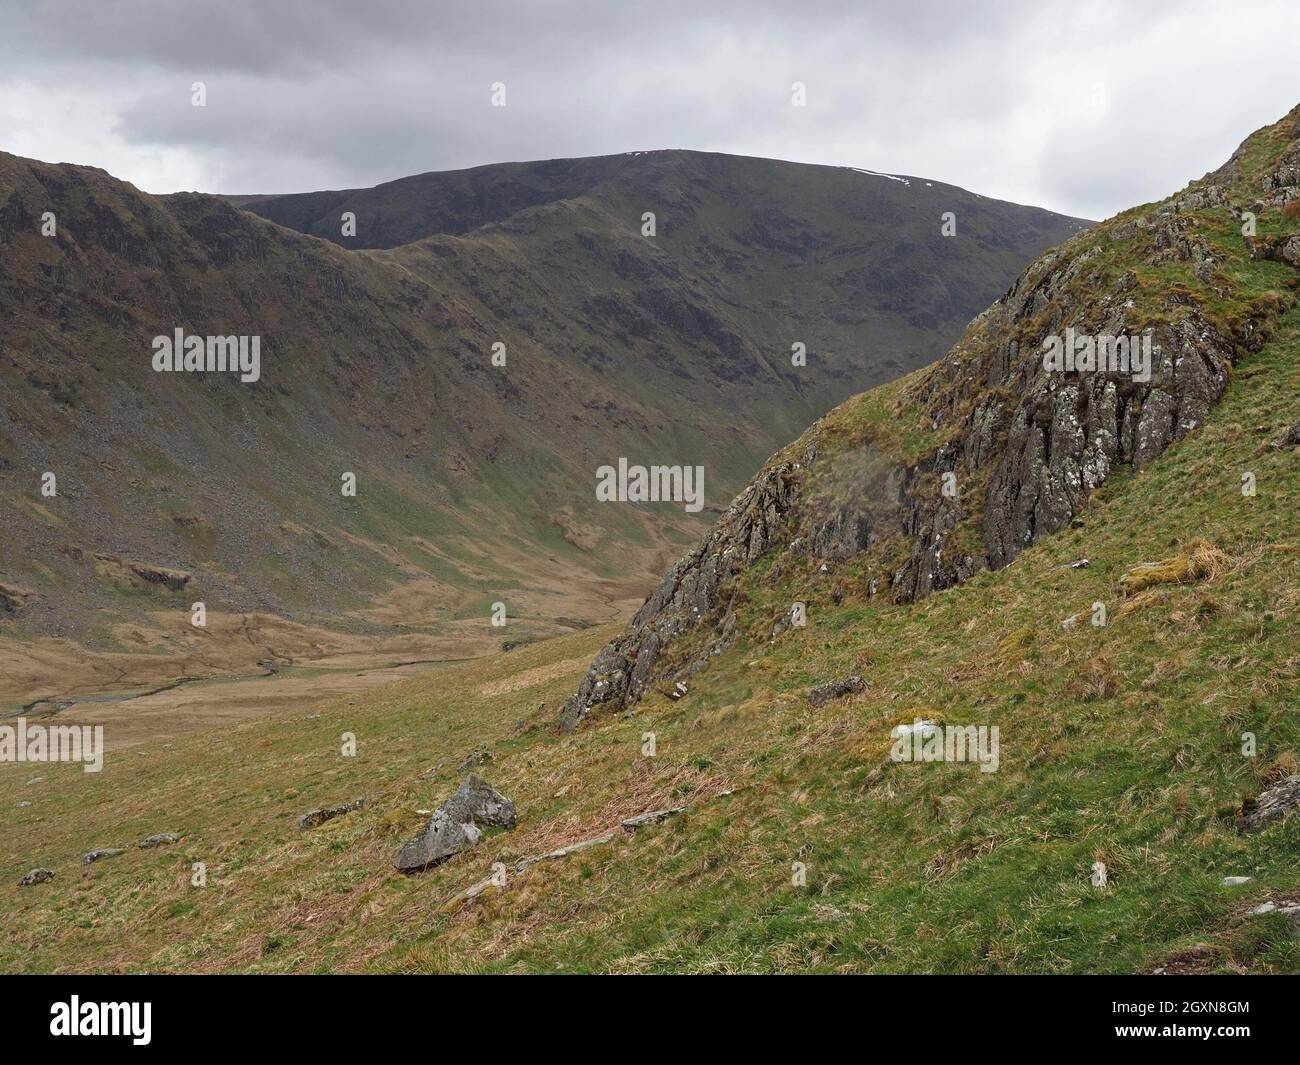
(796, 841)
(475, 481)
(959, 468)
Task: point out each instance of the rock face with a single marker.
(36, 876)
(319, 817)
(13, 599)
(457, 825)
(691, 593)
(1018, 446)
(1065, 435)
(143, 573)
(1273, 803)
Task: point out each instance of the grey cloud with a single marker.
(326, 95)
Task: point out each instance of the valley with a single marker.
(715, 786)
(371, 479)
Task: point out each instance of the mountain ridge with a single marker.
(377, 362)
(318, 212)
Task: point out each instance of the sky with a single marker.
(1085, 107)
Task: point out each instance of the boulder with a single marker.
(821, 694)
(457, 825)
(158, 840)
(36, 876)
(319, 817)
(103, 852)
(1291, 438)
(1273, 803)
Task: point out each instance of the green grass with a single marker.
(1120, 744)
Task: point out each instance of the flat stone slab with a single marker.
(564, 852)
(319, 817)
(103, 852)
(652, 818)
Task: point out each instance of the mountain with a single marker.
(475, 482)
(1140, 813)
(959, 468)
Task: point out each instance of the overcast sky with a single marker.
(1085, 106)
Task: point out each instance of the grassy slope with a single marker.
(1119, 744)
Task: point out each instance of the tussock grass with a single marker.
(1198, 561)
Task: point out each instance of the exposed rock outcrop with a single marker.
(691, 593)
(1020, 445)
(13, 599)
(457, 825)
(142, 574)
(820, 694)
(315, 818)
(1291, 438)
(36, 876)
(1273, 803)
(654, 817)
(564, 852)
(90, 857)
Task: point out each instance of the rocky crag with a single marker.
(969, 462)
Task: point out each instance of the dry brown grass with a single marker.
(1096, 680)
(1199, 560)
